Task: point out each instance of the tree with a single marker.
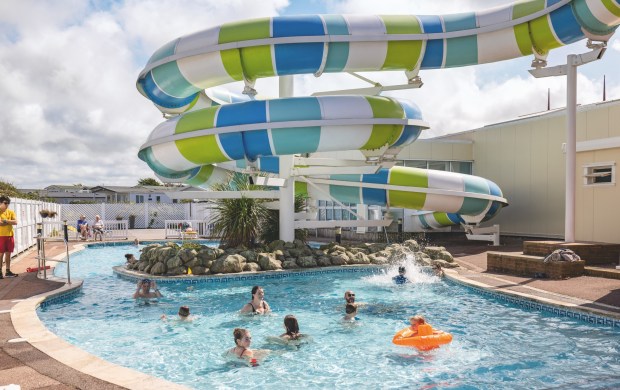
(148, 181)
(8, 189)
(238, 221)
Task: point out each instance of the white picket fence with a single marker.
(176, 228)
(27, 213)
(113, 230)
(139, 215)
(145, 215)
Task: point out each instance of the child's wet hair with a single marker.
(184, 311)
(238, 333)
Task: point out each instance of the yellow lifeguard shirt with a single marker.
(7, 230)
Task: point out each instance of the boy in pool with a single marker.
(416, 321)
(437, 270)
(401, 278)
(144, 289)
(351, 312)
(184, 315)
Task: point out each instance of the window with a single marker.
(599, 174)
(461, 167)
(139, 198)
(452, 166)
(416, 164)
(158, 199)
(439, 165)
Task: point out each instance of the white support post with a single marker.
(570, 71)
(571, 147)
(287, 193)
(491, 234)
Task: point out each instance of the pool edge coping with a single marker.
(29, 326)
(577, 304)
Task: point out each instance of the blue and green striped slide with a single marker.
(224, 128)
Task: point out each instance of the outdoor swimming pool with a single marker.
(496, 345)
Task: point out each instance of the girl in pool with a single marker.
(292, 329)
(242, 350)
(257, 305)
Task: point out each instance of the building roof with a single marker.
(138, 189)
(65, 187)
(552, 112)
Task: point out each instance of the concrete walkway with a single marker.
(23, 364)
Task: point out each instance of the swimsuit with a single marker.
(400, 279)
(254, 309)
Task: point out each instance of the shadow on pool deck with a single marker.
(22, 364)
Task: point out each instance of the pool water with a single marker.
(495, 345)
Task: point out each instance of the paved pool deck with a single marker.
(26, 361)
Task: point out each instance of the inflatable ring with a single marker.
(425, 339)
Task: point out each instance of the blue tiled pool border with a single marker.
(531, 304)
(121, 273)
(61, 297)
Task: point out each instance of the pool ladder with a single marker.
(41, 259)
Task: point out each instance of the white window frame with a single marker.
(590, 174)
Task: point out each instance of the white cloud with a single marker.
(71, 112)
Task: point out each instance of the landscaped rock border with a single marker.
(172, 259)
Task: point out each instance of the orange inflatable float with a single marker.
(425, 339)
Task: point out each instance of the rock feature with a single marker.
(172, 259)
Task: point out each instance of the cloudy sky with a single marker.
(72, 114)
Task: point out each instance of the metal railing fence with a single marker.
(113, 230)
(175, 228)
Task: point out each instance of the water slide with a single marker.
(211, 131)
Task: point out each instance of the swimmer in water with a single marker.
(243, 340)
(416, 321)
(184, 315)
(257, 305)
(131, 259)
(401, 278)
(351, 312)
(144, 289)
(292, 329)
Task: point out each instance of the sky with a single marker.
(72, 114)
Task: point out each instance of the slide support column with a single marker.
(287, 193)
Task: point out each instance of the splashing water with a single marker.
(416, 273)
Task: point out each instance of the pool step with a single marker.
(601, 272)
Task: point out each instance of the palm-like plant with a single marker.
(271, 227)
(238, 221)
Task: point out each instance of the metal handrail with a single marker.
(41, 258)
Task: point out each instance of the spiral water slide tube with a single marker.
(208, 132)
